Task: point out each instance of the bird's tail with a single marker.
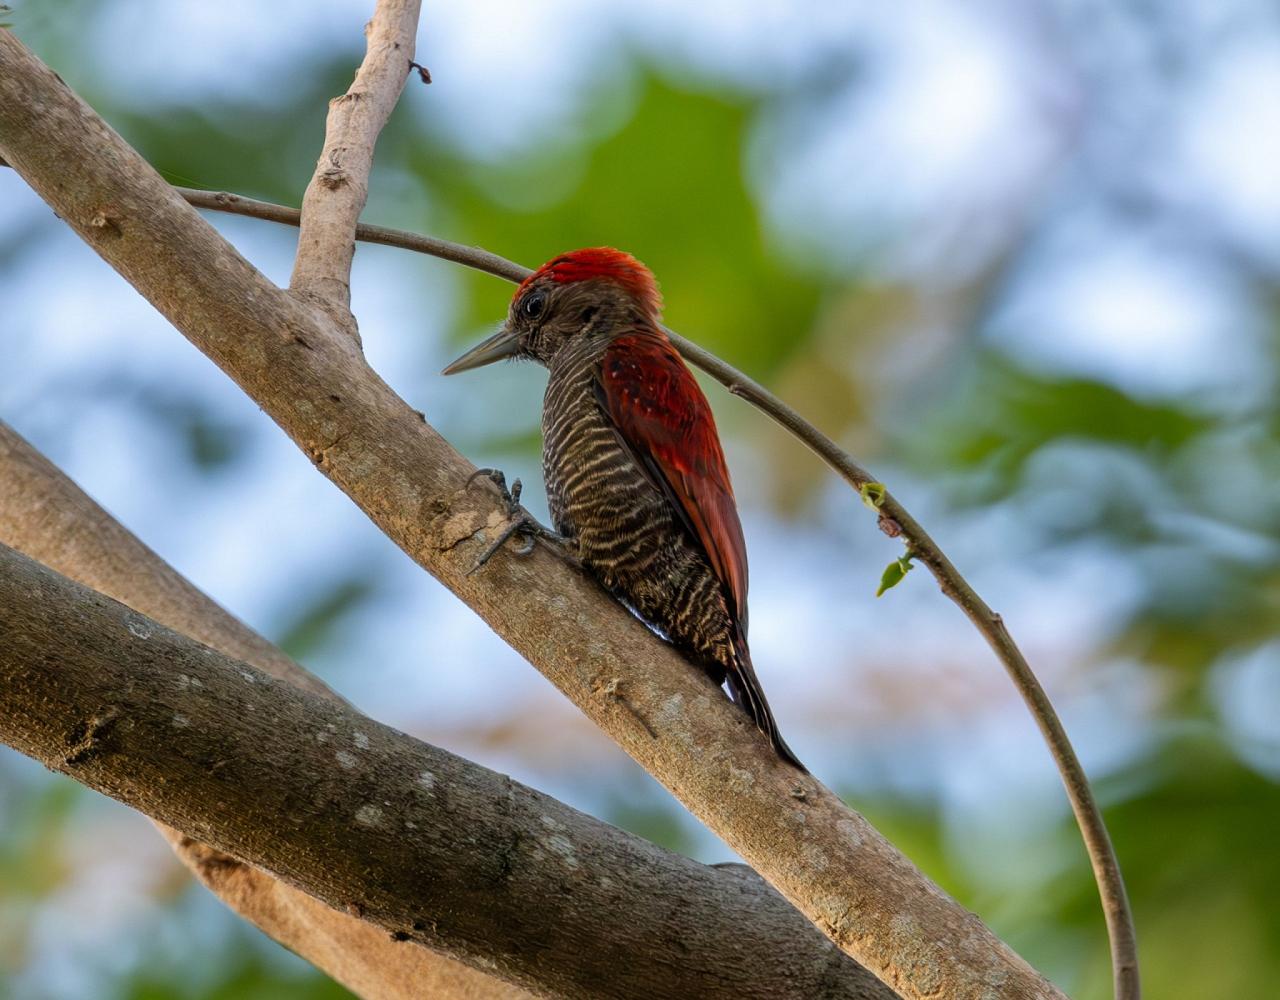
(745, 687)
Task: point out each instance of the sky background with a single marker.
(1020, 258)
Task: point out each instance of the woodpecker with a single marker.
(636, 480)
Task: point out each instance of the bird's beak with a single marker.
(503, 344)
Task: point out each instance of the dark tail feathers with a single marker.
(745, 687)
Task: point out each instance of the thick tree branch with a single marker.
(894, 518)
(427, 846)
(46, 516)
(340, 187)
(309, 377)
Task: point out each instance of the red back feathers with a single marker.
(663, 417)
(607, 264)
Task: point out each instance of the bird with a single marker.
(636, 479)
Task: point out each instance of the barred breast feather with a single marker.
(635, 475)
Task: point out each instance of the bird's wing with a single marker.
(662, 416)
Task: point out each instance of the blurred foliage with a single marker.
(30, 861)
(1180, 488)
(1202, 871)
(1000, 415)
(1158, 480)
(668, 185)
(248, 977)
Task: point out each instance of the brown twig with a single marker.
(919, 544)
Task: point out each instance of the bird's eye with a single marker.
(533, 305)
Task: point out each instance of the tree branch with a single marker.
(340, 186)
(46, 516)
(309, 377)
(894, 517)
(427, 846)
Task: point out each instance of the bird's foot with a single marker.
(499, 479)
(521, 523)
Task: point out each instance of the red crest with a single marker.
(606, 264)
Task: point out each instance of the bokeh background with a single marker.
(1022, 258)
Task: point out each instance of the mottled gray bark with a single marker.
(46, 516)
(428, 846)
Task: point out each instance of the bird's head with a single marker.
(591, 293)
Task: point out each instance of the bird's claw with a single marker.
(499, 479)
(521, 523)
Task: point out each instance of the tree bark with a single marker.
(46, 516)
(429, 847)
(340, 186)
(313, 381)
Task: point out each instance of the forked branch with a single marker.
(428, 847)
(340, 186)
(43, 514)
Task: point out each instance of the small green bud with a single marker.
(872, 494)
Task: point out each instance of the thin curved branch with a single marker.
(894, 518)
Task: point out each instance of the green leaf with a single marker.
(872, 495)
(893, 574)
